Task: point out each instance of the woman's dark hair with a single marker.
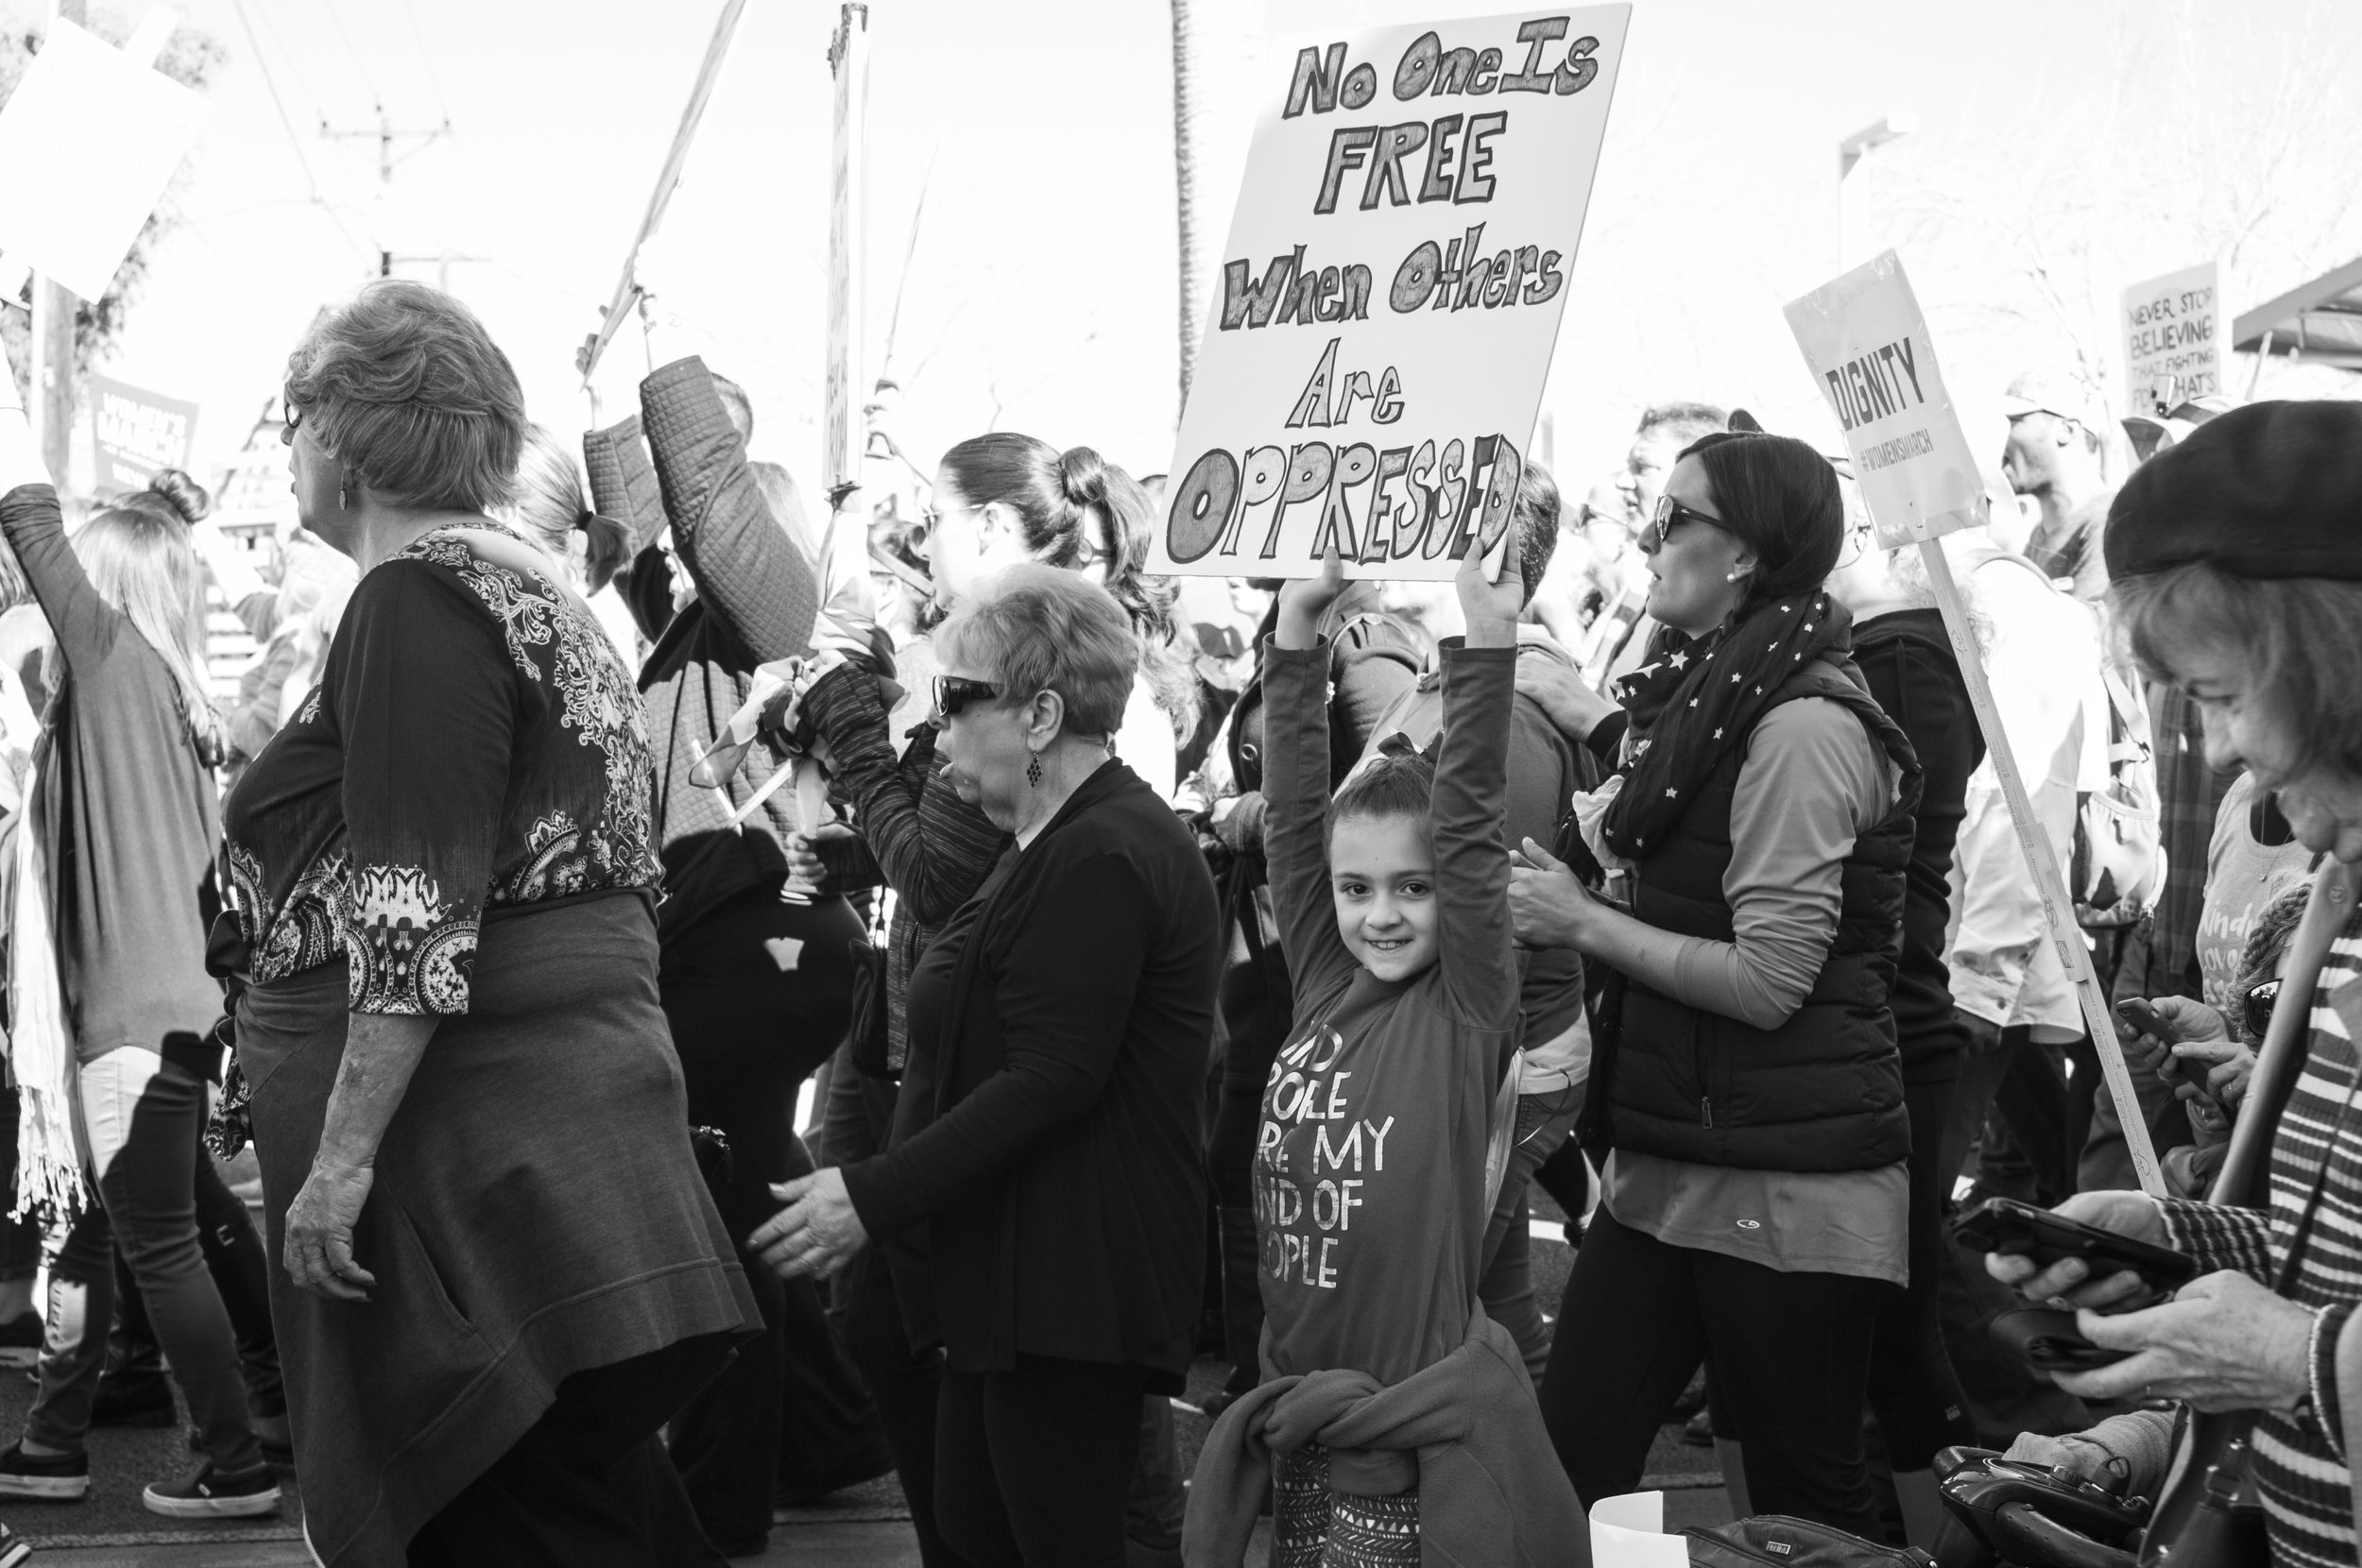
(1395, 783)
(1781, 499)
(2298, 639)
(405, 388)
(1066, 501)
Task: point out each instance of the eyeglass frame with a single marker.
(290, 421)
(2250, 1020)
(952, 693)
(1668, 512)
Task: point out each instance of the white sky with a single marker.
(1041, 294)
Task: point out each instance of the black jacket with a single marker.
(1909, 662)
(1824, 1090)
(1047, 1135)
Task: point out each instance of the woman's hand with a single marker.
(1572, 705)
(2069, 1281)
(1305, 599)
(2223, 1343)
(2194, 1033)
(2076, 1453)
(319, 1249)
(1551, 907)
(1491, 605)
(803, 862)
(816, 1234)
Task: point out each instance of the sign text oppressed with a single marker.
(1390, 297)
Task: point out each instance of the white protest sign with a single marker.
(88, 142)
(1629, 1532)
(1869, 350)
(1868, 346)
(2177, 338)
(1389, 296)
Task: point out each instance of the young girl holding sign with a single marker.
(1392, 1407)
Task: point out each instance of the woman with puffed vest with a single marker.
(1746, 1077)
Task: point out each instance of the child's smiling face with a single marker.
(1381, 873)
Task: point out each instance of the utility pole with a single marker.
(843, 442)
(49, 397)
(389, 138)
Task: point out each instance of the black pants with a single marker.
(235, 1258)
(757, 994)
(1032, 1465)
(579, 1490)
(1913, 1388)
(1791, 1357)
(908, 1385)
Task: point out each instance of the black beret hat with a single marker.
(2272, 490)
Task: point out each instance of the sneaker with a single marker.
(270, 1431)
(20, 1346)
(14, 1552)
(204, 1494)
(58, 1480)
(134, 1399)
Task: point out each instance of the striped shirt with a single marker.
(2300, 1455)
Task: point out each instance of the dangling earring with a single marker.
(344, 497)
(1033, 770)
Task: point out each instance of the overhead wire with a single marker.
(286, 124)
(426, 54)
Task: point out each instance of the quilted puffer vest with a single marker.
(1823, 1091)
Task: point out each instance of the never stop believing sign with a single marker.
(1392, 291)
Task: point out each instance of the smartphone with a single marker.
(2047, 1339)
(2006, 1225)
(2144, 1019)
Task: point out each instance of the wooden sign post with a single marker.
(1868, 346)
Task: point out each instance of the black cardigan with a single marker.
(1048, 1138)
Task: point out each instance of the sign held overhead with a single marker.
(2177, 339)
(1867, 342)
(88, 143)
(1391, 296)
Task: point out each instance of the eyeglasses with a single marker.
(931, 518)
(955, 692)
(1856, 543)
(2255, 1007)
(1669, 512)
(290, 417)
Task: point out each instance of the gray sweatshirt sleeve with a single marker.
(1812, 783)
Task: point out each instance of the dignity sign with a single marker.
(1389, 296)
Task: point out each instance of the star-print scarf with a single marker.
(1698, 697)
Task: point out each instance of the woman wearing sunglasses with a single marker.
(1000, 501)
(1044, 1167)
(1745, 1074)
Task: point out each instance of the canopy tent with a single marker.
(2319, 322)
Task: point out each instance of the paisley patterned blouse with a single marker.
(475, 742)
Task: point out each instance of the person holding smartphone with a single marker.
(2237, 576)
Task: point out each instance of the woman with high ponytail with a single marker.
(1001, 500)
(111, 1002)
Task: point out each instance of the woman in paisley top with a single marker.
(503, 1270)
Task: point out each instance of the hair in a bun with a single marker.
(1082, 476)
(171, 494)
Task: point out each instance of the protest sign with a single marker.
(2177, 339)
(1868, 346)
(1389, 296)
(136, 435)
(1869, 350)
(88, 142)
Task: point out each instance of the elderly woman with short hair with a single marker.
(2236, 564)
(505, 1272)
(1045, 1138)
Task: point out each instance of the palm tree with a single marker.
(1186, 63)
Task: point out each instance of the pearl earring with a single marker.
(1733, 576)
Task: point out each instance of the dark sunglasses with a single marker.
(2255, 1008)
(955, 692)
(1669, 512)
